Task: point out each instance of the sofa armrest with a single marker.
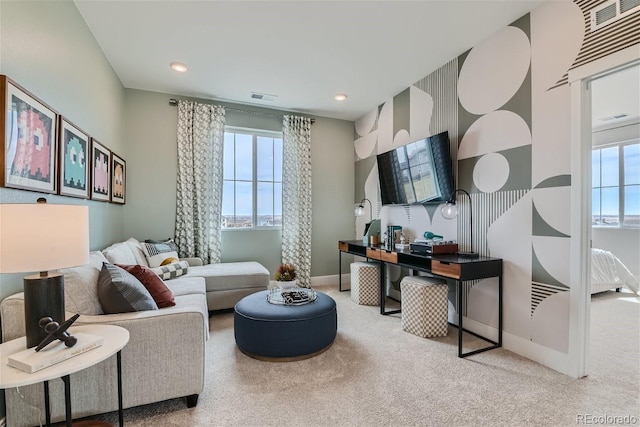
(194, 261)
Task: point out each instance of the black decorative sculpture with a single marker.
(57, 331)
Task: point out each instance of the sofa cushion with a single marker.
(120, 292)
(157, 252)
(120, 253)
(187, 286)
(81, 286)
(172, 270)
(161, 294)
(232, 275)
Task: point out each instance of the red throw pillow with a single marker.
(161, 294)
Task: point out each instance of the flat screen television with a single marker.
(417, 173)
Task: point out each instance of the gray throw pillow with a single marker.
(120, 292)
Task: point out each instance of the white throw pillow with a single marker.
(156, 253)
(120, 253)
(138, 253)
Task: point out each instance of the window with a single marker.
(252, 186)
(616, 185)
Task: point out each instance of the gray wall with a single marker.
(48, 49)
(150, 127)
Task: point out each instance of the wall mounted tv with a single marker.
(419, 172)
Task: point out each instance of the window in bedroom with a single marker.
(252, 179)
(616, 185)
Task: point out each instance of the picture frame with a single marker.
(28, 159)
(100, 172)
(118, 179)
(74, 145)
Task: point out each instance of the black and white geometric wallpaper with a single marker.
(507, 111)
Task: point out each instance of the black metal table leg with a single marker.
(340, 271)
(500, 311)
(67, 399)
(47, 404)
(382, 285)
(460, 330)
(120, 412)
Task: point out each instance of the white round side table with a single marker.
(115, 338)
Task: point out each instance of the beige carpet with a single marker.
(377, 375)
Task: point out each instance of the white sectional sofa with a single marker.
(164, 359)
(226, 283)
(165, 356)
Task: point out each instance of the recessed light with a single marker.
(179, 67)
(340, 97)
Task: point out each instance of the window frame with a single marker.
(255, 133)
(621, 184)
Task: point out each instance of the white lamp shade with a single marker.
(449, 211)
(43, 237)
(359, 210)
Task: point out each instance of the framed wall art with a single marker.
(29, 140)
(74, 160)
(100, 168)
(118, 179)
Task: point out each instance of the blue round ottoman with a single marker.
(276, 332)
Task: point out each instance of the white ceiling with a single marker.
(305, 52)
(615, 98)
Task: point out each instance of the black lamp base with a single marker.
(43, 297)
(468, 254)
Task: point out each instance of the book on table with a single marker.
(31, 361)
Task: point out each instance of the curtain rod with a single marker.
(174, 102)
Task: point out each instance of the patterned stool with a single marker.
(424, 306)
(365, 283)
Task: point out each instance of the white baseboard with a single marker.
(523, 347)
(545, 356)
(331, 280)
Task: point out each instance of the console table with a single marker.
(447, 266)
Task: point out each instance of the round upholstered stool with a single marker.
(276, 332)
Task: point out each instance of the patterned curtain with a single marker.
(296, 196)
(199, 184)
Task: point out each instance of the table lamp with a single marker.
(42, 237)
(450, 211)
(372, 228)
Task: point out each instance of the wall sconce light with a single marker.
(372, 228)
(42, 237)
(360, 209)
(450, 211)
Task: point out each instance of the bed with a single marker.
(608, 272)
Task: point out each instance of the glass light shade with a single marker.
(449, 211)
(42, 237)
(359, 210)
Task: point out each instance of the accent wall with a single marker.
(506, 106)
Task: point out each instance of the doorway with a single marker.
(580, 80)
(615, 219)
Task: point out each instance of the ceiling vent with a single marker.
(611, 11)
(263, 96)
(613, 117)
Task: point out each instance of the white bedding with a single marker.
(608, 272)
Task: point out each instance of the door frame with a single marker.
(580, 252)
